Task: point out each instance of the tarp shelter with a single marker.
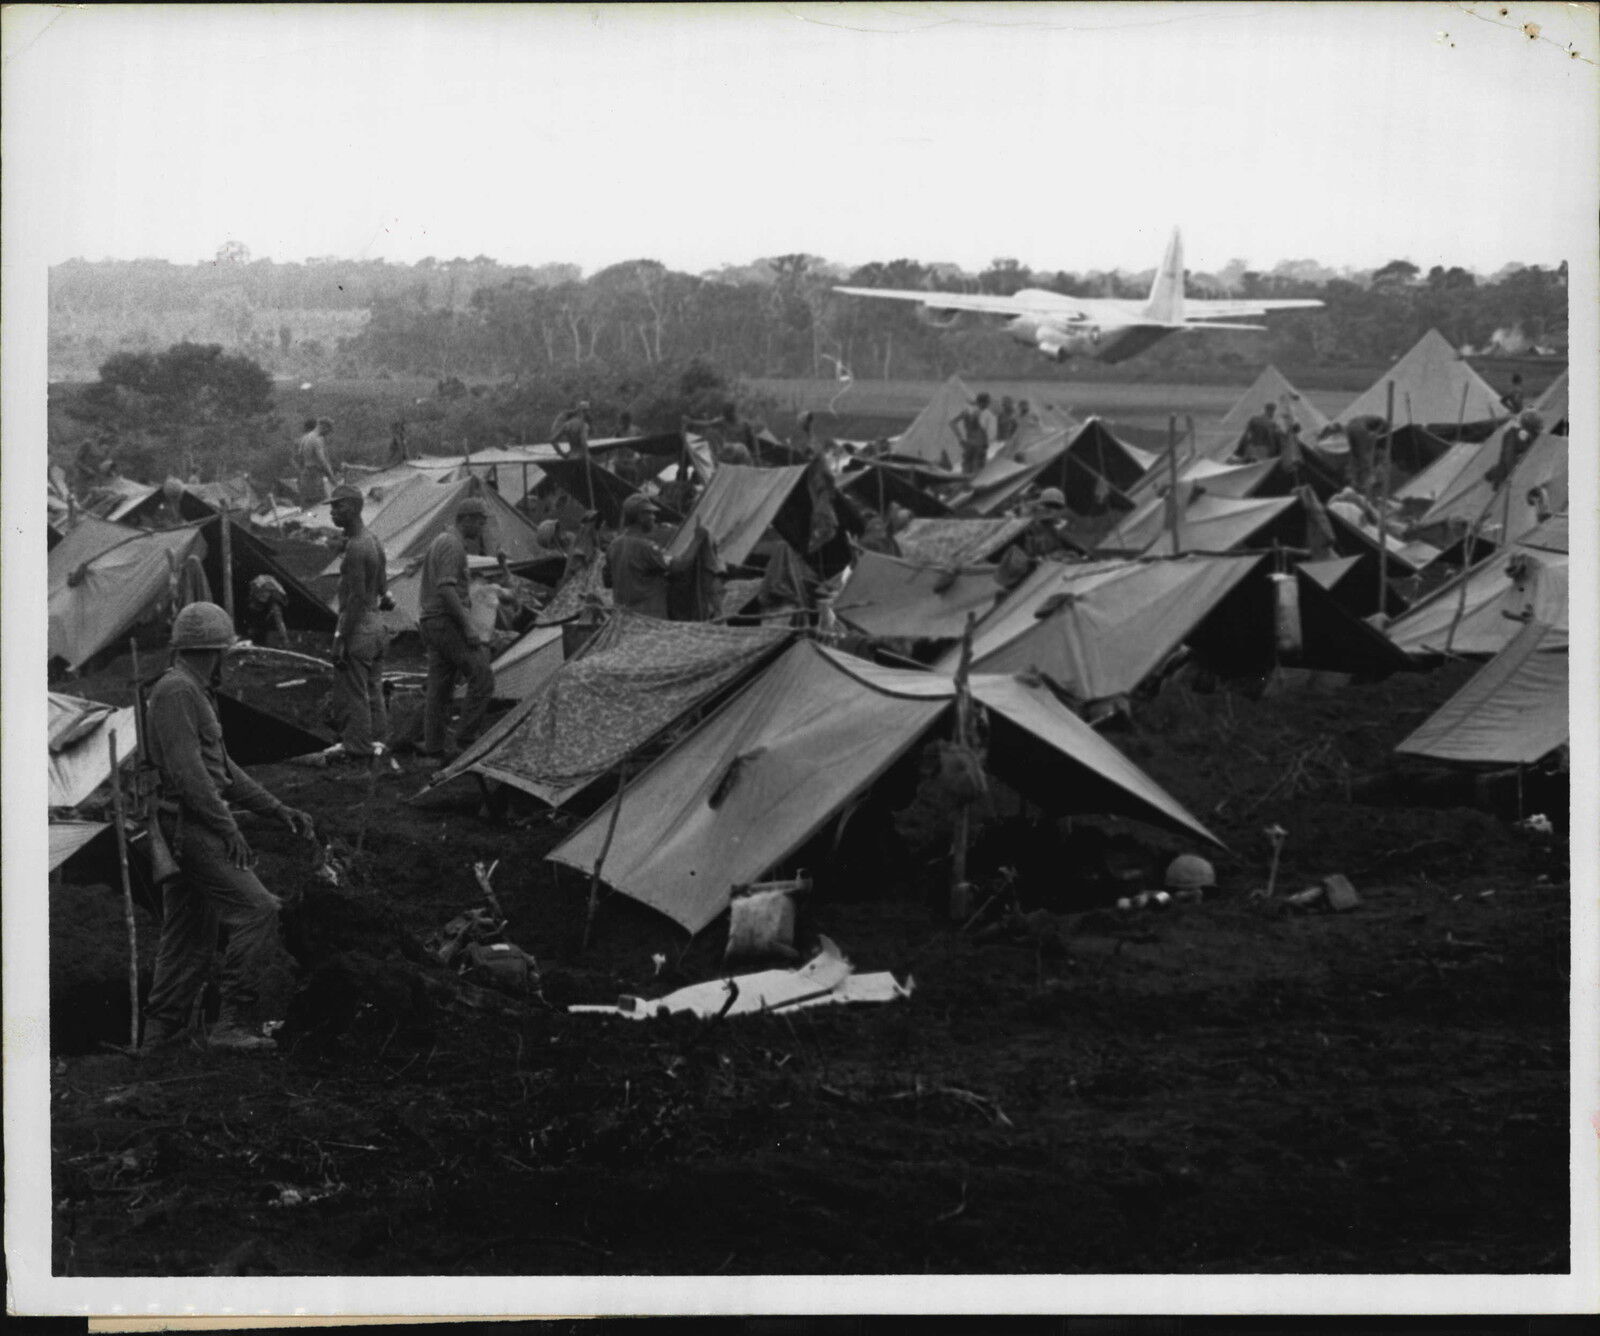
(235, 493)
(1097, 629)
(105, 579)
(1091, 466)
(1472, 499)
(1481, 610)
(956, 542)
(1512, 712)
(1210, 524)
(929, 436)
(529, 664)
(631, 681)
(1552, 406)
(68, 837)
(1439, 477)
(748, 787)
(80, 757)
(513, 471)
(1012, 470)
(738, 506)
(250, 556)
(119, 498)
(1429, 382)
(1240, 635)
(414, 517)
(1271, 386)
(1232, 480)
(597, 489)
(379, 488)
(881, 485)
(260, 737)
(906, 600)
(1353, 583)
(799, 502)
(1406, 556)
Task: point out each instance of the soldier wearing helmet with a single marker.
(1190, 876)
(1515, 442)
(215, 888)
(455, 649)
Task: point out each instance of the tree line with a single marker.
(478, 319)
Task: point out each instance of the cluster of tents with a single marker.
(733, 737)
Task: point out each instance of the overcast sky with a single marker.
(1072, 136)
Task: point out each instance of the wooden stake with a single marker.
(959, 907)
(227, 563)
(120, 821)
(1383, 487)
(599, 862)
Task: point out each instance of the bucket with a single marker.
(1286, 614)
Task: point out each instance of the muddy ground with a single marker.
(1232, 1086)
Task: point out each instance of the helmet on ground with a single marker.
(202, 626)
(1052, 496)
(1188, 871)
(473, 505)
(345, 492)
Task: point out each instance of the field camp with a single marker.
(1223, 756)
(754, 661)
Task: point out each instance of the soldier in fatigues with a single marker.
(215, 888)
(455, 649)
(360, 639)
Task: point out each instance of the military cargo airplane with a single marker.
(1104, 328)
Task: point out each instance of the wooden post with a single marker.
(960, 905)
(1383, 488)
(227, 563)
(1174, 500)
(599, 862)
(120, 820)
(1194, 440)
(1461, 417)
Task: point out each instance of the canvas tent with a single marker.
(1512, 712)
(235, 493)
(631, 681)
(529, 664)
(1238, 481)
(1210, 524)
(117, 499)
(798, 502)
(1353, 583)
(929, 436)
(906, 600)
(597, 489)
(1434, 387)
(958, 542)
(1552, 406)
(881, 485)
(409, 522)
(80, 757)
(1014, 467)
(1271, 386)
(69, 837)
(1097, 629)
(748, 787)
(1440, 476)
(1480, 610)
(1471, 499)
(104, 579)
(1092, 467)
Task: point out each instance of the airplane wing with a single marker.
(987, 303)
(1200, 309)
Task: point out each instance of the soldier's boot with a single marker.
(234, 1034)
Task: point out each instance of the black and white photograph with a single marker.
(800, 658)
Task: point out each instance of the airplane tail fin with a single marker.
(1166, 293)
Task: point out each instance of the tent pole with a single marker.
(1173, 500)
(960, 893)
(127, 895)
(599, 862)
(1383, 488)
(227, 564)
(1461, 417)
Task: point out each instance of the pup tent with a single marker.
(960, 542)
(528, 664)
(749, 786)
(889, 598)
(929, 437)
(1092, 467)
(879, 484)
(1480, 611)
(629, 683)
(1552, 406)
(1512, 712)
(1434, 387)
(1501, 510)
(80, 757)
(105, 579)
(1271, 386)
(798, 502)
(414, 516)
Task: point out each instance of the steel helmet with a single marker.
(1529, 420)
(1188, 871)
(473, 505)
(202, 626)
(1052, 496)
